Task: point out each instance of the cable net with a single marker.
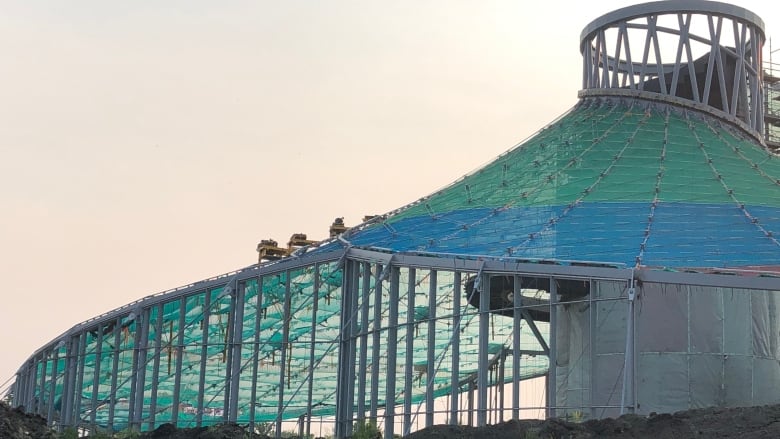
(613, 181)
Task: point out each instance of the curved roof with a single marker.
(616, 180)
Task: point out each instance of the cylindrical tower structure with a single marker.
(694, 69)
(708, 53)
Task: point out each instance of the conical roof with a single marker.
(616, 180)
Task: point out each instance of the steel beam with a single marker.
(256, 347)
(363, 359)
(158, 328)
(78, 390)
(376, 342)
(517, 301)
(455, 365)
(430, 372)
(204, 352)
(179, 360)
(409, 361)
(52, 386)
(283, 354)
(628, 395)
(96, 378)
(114, 372)
(482, 358)
(44, 367)
(392, 350)
(552, 387)
(139, 372)
(313, 343)
(68, 384)
(236, 346)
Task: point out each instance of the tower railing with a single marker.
(701, 51)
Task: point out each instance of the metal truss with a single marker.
(717, 63)
(52, 381)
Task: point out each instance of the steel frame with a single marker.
(43, 370)
(608, 62)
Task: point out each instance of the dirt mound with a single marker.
(222, 431)
(14, 423)
(742, 423)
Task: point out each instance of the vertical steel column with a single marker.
(227, 357)
(136, 318)
(628, 399)
(349, 408)
(22, 395)
(492, 412)
(363, 360)
(96, 378)
(409, 362)
(377, 333)
(78, 391)
(40, 404)
(313, 343)
(179, 361)
(32, 381)
(21, 389)
(204, 353)
(140, 370)
(553, 343)
(339, 428)
(158, 327)
(500, 384)
(30, 400)
(455, 366)
(255, 353)
(19, 385)
(592, 316)
(237, 342)
(347, 345)
(114, 372)
(65, 392)
(69, 396)
(52, 386)
(68, 383)
(430, 371)
(482, 359)
(392, 350)
(517, 301)
(32, 396)
(283, 353)
(470, 407)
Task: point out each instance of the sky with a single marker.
(146, 145)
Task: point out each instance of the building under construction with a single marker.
(627, 252)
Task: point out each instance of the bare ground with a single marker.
(743, 423)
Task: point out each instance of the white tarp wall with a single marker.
(695, 347)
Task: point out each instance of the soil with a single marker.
(14, 423)
(743, 423)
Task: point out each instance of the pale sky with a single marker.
(149, 144)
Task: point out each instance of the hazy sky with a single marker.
(145, 145)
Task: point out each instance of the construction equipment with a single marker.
(338, 227)
(298, 240)
(269, 250)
